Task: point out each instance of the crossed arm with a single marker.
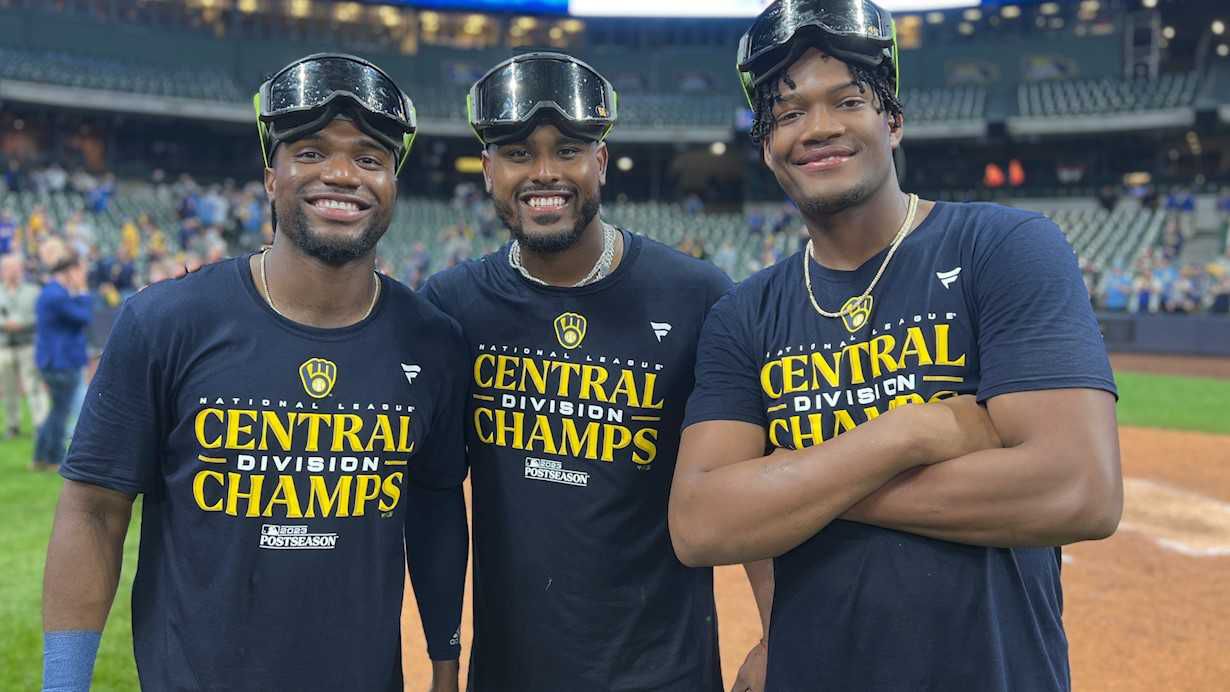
(1032, 468)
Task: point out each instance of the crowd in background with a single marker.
(1161, 280)
(61, 285)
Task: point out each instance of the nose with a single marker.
(340, 171)
(822, 126)
(545, 171)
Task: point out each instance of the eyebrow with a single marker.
(364, 141)
(793, 96)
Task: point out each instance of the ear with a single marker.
(270, 184)
(486, 156)
(896, 131)
(604, 156)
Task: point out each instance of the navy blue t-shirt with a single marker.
(979, 299)
(273, 459)
(573, 430)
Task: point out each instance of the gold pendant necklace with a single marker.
(851, 305)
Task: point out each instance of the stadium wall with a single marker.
(1189, 335)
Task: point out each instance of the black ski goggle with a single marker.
(305, 95)
(503, 105)
(851, 30)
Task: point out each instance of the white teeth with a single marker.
(336, 204)
(546, 202)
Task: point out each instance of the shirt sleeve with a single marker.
(442, 462)
(727, 373)
(1036, 327)
(119, 432)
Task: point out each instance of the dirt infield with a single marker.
(1195, 366)
(1146, 610)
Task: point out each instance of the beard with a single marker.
(550, 243)
(334, 252)
(812, 207)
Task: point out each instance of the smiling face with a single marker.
(546, 189)
(334, 192)
(831, 146)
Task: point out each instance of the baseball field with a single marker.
(1145, 609)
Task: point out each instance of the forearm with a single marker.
(763, 507)
(1013, 497)
(83, 568)
(437, 548)
(760, 576)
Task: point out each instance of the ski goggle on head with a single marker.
(853, 31)
(308, 94)
(508, 102)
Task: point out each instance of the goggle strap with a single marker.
(261, 130)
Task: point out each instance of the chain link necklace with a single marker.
(601, 267)
(269, 296)
(851, 305)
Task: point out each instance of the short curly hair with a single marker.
(768, 93)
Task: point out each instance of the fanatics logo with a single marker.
(411, 372)
(660, 329)
(318, 376)
(570, 329)
(947, 278)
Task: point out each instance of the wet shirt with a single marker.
(979, 299)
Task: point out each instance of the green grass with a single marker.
(27, 503)
(1169, 401)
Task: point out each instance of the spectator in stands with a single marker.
(1219, 299)
(63, 313)
(8, 232)
(1223, 202)
(99, 197)
(1108, 198)
(726, 258)
(19, 379)
(1116, 289)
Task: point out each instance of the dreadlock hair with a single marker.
(768, 93)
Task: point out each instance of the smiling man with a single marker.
(914, 545)
(583, 340)
(293, 420)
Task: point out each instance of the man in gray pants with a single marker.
(18, 375)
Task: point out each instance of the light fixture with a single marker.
(1223, 50)
(973, 14)
(1168, 33)
(966, 28)
(935, 17)
(1049, 8)
(1010, 11)
(1149, 4)
(717, 148)
(624, 164)
(300, 8)
(1219, 27)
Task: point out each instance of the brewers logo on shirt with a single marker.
(570, 329)
(318, 376)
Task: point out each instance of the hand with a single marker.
(752, 672)
(444, 676)
(955, 427)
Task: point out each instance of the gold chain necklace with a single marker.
(850, 305)
(269, 296)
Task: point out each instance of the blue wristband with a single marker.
(68, 660)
